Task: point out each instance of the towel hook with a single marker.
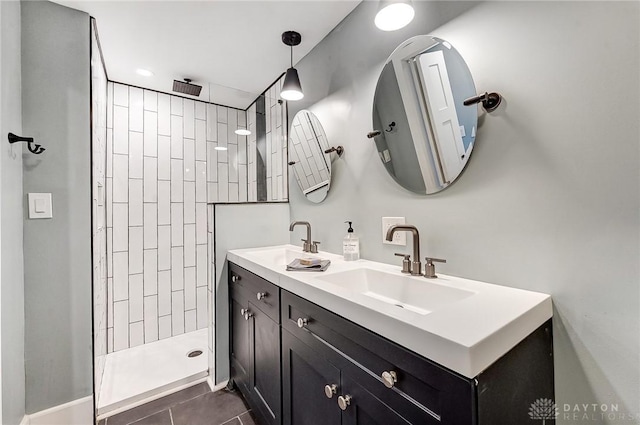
(33, 147)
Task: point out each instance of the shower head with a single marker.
(186, 87)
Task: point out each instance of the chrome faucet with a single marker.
(416, 266)
(308, 245)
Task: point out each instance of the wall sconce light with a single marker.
(394, 14)
(291, 88)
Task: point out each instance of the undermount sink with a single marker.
(416, 294)
(279, 256)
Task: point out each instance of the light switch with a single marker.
(40, 205)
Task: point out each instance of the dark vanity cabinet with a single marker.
(255, 342)
(335, 372)
(379, 381)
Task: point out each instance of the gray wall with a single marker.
(550, 199)
(236, 227)
(55, 95)
(11, 277)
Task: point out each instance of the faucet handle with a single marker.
(430, 268)
(306, 246)
(314, 247)
(406, 262)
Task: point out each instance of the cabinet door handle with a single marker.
(389, 378)
(261, 295)
(344, 401)
(330, 390)
(248, 315)
(242, 310)
(235, 278)
(302, 322)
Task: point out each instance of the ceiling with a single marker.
(231, 48)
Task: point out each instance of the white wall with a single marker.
(12, 381)
(550, 199)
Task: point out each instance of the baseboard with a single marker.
(217, 387)
(77, 412)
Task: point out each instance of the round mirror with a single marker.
(426, 134)
(311, 165)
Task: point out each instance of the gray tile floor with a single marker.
(196, 405)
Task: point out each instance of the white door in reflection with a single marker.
(441, 110)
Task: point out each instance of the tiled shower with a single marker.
(165, 162)
(157, 212)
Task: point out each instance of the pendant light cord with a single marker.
(291, 56)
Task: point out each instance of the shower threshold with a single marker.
(140, 374)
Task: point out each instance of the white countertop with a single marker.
(466, 336)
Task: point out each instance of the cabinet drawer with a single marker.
(425, 392)
(262, 294)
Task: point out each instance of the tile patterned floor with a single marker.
(196, 405)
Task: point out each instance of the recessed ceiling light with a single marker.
(220, 148)
(242, 132)
(394, 15)
(144, 72)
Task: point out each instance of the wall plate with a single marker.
(40, 205)
(399, 238)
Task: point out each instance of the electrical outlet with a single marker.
(399, 238)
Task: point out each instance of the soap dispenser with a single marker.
(351, 245)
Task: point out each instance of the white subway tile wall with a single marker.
(160, 167)
(310, 168)
(276, 161)
(277, 177)
(101, 170)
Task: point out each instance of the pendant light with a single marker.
(394, 14)
(291, 88)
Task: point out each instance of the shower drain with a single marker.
(194, 353)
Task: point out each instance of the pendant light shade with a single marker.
(394, 14)
(291, 87)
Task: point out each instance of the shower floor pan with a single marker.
(149, 371)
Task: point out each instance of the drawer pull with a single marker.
(330, 390)
(261, 295)
(302, 322)
(247, 315)
(235, 278)
(344, 402)
(389, 378)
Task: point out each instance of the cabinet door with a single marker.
(305, 374)
(364, 408)
(265, 374)
(239, 344)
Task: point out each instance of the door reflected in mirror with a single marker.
(311, 166)
(426, 133)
